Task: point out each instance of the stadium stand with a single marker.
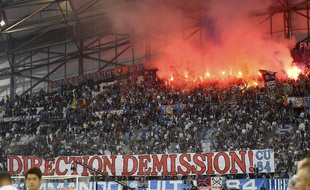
(80, 120)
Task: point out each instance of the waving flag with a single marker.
(203, 181)
(269, 78)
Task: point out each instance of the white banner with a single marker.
(233, 162)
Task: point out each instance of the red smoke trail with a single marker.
(237, 49)
(234, 44)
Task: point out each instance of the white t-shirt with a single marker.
(8, 187)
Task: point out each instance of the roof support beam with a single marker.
(114, 58)
(27, 17)
(64, 61)
(12, 79)
(101, 60)
(10, 4)
(31, 77)
(65, 18)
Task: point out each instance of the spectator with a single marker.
(303, 174)
(145, 116)
(6, 181)
(33, 178)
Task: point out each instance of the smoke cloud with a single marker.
(231, 42)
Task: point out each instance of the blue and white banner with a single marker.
(118, 112)
(245, 183)
(169, 109)
(256, 184)
(20, 118)
(109, 185)
(277, 184)
(241, 184)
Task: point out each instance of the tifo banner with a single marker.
(233, 162)
(99, 75)
(216, 182)
(110, 185)
(269, 184)
(275, 184)
(169, 109)
(245, 183)
(242, 184)
(20, 118)
(117, 112)
(269, 78)
(297, 102)
(205, 182)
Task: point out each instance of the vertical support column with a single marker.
(287, 18)
(48, 67)
(132, 48)
(147, 48)
(12, 78)
(308, 24)
(81, 60)
(99, 53)
(132, 34)
(200, 24)
(182, 19)
(116, 50)
(31, 59)
(65, 66)
(271, 31)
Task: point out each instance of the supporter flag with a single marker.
(269, 78)
(203, 181)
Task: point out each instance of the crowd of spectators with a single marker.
(131, 116)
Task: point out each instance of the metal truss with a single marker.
(191, 19)
(29, 43)
(29, 36)
(286, 7)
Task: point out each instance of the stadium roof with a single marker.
(30, 27)
(40, 37)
